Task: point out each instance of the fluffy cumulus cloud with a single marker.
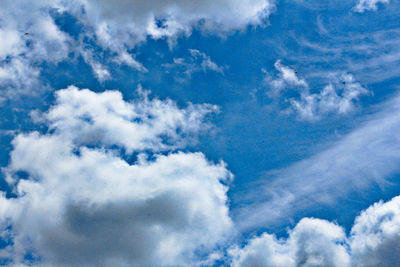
(122, 24)
(338, 97)
(375, 236)
(168, 18)
(81, 203)
(87, 117)
(374, 240)
(312, 242)
(364, 5)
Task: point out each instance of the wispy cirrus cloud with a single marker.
(365, 156)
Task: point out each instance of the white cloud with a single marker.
(375, 236)
(364, 5)
(19, 77)
(85, 206)
(312, 242)
(338, 97)
(127, 59)
(374, 241)
(100, 71)
(197, 62)
(160, 19)
(366, 156)
(205, 61)
(10, 44)
(89, 118)
(122, 24)
(287, 77)
(30, 34)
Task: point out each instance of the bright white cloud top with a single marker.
(364, 5)
(87, 206)
(89, 118)
(374, 240)
(83, 204)
(32, 36)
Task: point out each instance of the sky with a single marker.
(244, 133)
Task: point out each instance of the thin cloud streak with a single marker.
(366, 156)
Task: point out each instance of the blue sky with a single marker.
(173, 133)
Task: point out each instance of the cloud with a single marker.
(287, 77)
(89, 118)
(83, 204)
(160, 19)
(122, 25)
(375, 236)
(19, 77)
(366, 156)
(312, 242)
(338, 97)
(205, 61)
(374, 240)
(31, 35)
(364, 5)
(197, 62)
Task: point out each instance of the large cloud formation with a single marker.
(31, 35)
(85, 194)
(78, 202)
(167, 18)
(374, 240)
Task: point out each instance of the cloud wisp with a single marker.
(366, 156)
(196, 62)
(369, 5)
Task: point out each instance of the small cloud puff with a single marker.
(364, 5)
(287, 77)
(338, 97)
